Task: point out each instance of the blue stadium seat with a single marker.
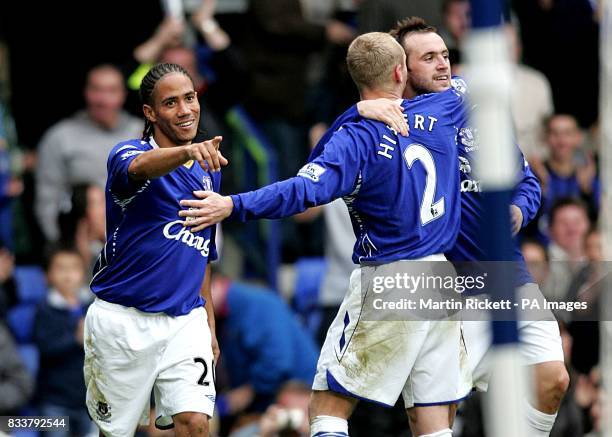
(21, 322)
(309, 273)
(31, 284)
(30, 356)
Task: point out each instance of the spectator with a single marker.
(278, 48)
(457, 18)
(588, 395)
(8, 289)
(16, 384)
(550, 30)
(569, 223)
(58, 333)
(537, 261)
(288, 416)
(84, 225)
(333, 89)
(11, 185)
(569, 418)
(222, 78)
(587, 286)
(382, 15)
(563, 175)
(531, 101)
(75, 150)
(263, 345)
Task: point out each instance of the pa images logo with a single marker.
(104, 411)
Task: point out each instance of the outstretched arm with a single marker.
(161, 161)
(331, 175)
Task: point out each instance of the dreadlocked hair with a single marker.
(147, 86)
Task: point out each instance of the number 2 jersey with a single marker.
(150, 260)
(402, 193)
(526, 194)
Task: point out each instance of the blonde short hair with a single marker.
(371, 59)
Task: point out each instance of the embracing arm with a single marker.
(278, 200)
(331, 175)
(388, 111)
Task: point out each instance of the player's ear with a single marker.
(149, 113)
(398, 73)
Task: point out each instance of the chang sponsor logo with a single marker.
(177, 232)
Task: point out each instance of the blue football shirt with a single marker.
(402, 193)
(150, 260)
(526, 194)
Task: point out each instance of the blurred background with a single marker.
(271, 77)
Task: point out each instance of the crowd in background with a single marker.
(272, 74)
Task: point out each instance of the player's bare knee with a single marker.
(195, 423)
(563, 381)
(427, 420)
(328, 403)
(555, 379)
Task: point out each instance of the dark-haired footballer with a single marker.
(152, 279)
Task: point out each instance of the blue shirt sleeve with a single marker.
(118, 163)
(527, 192)
(331, 175)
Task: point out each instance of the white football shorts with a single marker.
(130, 353)
(376, 361)
(540, 341)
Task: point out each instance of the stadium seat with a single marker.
(31, 284)
(30, 356)
(309, 274)
(21, 322)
